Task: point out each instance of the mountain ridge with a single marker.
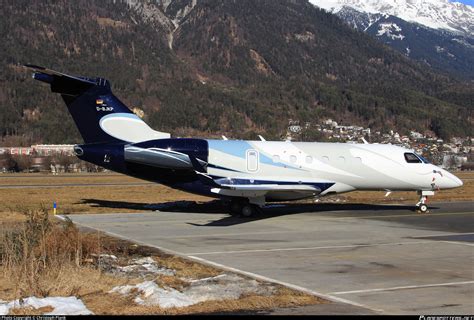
(232, 68)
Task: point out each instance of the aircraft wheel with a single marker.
(247, 211)
(423, 208)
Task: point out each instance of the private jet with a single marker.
(244, 174)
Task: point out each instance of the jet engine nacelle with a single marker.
(168, 153)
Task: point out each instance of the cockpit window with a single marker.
(422, 159)
(412, 158)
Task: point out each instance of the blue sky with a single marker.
(469, 2)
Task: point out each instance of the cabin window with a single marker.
(252, 160)
(412, 158)
(293, 159)
(325, 159)
(342, 160)
(276, 158)
(309, 159)
(357, 160)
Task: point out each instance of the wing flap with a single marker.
(252, 191)
(270, 187)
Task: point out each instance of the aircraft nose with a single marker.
(450, 181)
(457, 181)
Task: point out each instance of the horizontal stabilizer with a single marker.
(66, 84)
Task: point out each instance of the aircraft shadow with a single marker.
(214, 206)
(270, 211)
(322, 209)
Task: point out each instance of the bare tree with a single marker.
(8, 162)
(65, 161)
(23, 162)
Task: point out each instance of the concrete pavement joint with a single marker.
(459, 242)
(404, 287)
(313, 248)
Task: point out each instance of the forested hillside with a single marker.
(239, 68)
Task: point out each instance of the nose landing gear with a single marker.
(421, 204)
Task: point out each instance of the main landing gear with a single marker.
(243, 208)
(421, 204)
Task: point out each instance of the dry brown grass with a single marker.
(83, 199)
(15, 179)
(30, 311)
(41, 258)
(188, 268)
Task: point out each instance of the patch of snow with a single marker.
(390, 30)
(145, 266)
(60, 305)
(105, 256)
(152, 294)
(226, 287)
(463, 42)
(4, 308)
(218, 288)
(372, 19)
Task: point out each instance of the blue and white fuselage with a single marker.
(247, 173)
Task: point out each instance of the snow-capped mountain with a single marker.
(435, 14)
(440, 48)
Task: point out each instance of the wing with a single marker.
(249, 188)
(277, 191)
(270, 191)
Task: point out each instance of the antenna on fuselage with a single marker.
(364, 141)
(261, 138)
(224, 138)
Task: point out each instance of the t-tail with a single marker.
(99, 115)
(117, 139)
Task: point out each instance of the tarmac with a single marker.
(367, 259)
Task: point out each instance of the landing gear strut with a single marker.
(421, 204)
(243, 208)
